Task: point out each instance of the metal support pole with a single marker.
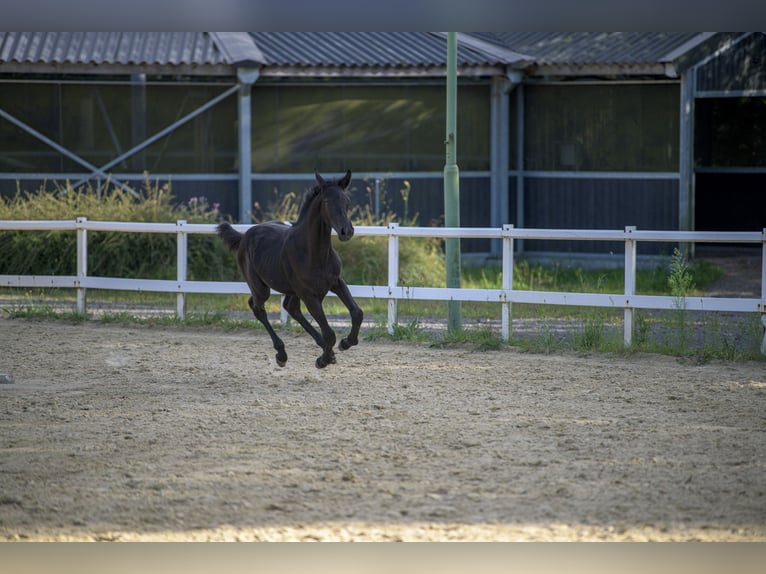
(507, 282)
(630, 284)
(247, 78)
(763, 290)
(686, 158)
(62, 150)
(499, 138)
(138, 118)
(182, 252)
(82, 265)
(393, 275)
(520, 163)
(159, 135)
(452, 185)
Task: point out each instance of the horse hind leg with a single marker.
(260, 313)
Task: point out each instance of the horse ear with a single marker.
(344, 183)
(319, 178)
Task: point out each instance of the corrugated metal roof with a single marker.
(584, 48)
(238, 48)
(364, 49)
(127, 48)
(737, 70)
(354, 53)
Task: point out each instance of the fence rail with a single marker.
(393, 292)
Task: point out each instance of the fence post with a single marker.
(763, 290)
(284, 318)
(506, 307)
(182, 250)
(393, 275)
(82, 265)
(630, 284)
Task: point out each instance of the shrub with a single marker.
(153, 256)
(146, 255)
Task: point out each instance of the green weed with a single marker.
(481, 339)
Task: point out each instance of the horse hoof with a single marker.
(281, 359)
(345, 345)
(323, 361)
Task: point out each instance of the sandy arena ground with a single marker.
(137, 433)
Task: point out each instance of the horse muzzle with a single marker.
(345, 233)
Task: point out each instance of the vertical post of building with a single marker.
(520, 194)
(499, 140)
(763, 289)
(138, 119)
(246, 77)
(686, 156)
(452, 185)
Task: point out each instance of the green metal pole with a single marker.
(452, 185)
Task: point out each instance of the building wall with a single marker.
(392, 129)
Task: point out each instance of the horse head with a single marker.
(334, 203)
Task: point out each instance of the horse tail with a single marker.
(231, 237)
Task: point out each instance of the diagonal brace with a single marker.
(62, 150)
(162, 133)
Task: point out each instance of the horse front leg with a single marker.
(314, 306)
(343, 293)
(292, 305)
(256, 305)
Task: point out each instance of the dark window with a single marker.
(730, 132)
(602, 127)
(101, 122)
(368, 128)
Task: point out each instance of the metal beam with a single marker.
(452, 185)
(499, 126)
(160, 134)
(686, 157)
(247, 77)
(61, 149)
(686, 152)
(520, 174)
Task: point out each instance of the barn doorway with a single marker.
(730, 160)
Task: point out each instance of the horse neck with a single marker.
(317, 234)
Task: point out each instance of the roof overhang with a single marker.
(238, 49)
(598, 70)
(702, 47)
(115, 69)
(320, 72)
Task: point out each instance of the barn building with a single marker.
(555, 130)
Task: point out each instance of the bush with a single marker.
(110, 254)
(153, 256)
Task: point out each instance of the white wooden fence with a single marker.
(393, 292)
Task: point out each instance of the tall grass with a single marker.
(133, 255)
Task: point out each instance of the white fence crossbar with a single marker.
(393, 292)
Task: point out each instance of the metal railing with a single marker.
(506, 296)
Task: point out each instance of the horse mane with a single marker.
(308, 198)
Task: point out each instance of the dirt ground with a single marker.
(147, 433)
